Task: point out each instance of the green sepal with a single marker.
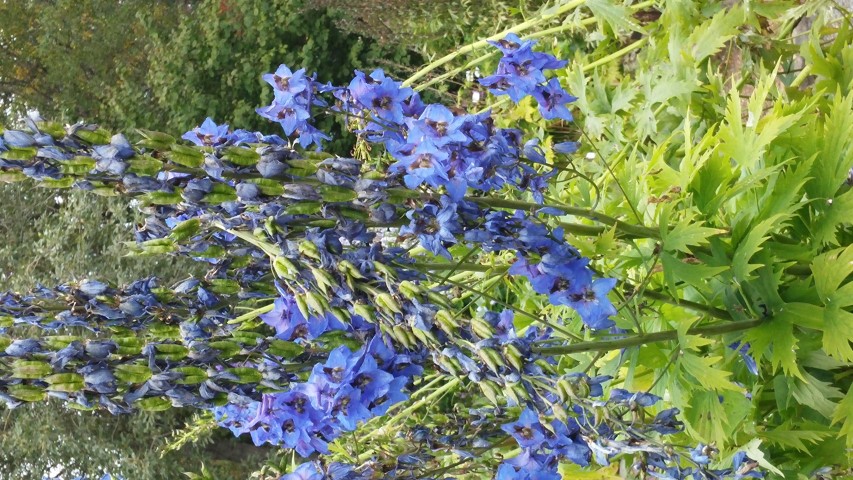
(12, 176)
(332, 193)
(227, 348)
(27, 393)
(144, 165)
(163, 198)
(54, 129)
(30, 369)
(129, 345)
(247, 338)
(58, 342)
(268, 187)
(132, 373)
(170, 351)
(245, 375)
(94, 137)
(19, 153)
(185, 230)
(65, 382)
(190, 375)
(303, 207)
(64, 182)
(153, 404)
(213, 251)
(220, 193)
(335, 338)
(244, 157)
(6, 321)
(284, 349)
(78, 165)
(186, 156)
(224, 286)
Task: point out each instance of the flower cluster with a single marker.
(349, 314)
(350, 387)
(521, 73)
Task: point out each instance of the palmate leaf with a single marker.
(751, 244)
(684, 234)
(814, 393)
(830, 270)
(775, 339)
(796, 436)
(714, 33)
(703, 372)
(844, 414)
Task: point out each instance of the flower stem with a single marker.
(482, 43)
(635, 340)
(626, 228)
(615, 55)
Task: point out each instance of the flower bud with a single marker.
(514, 357)
(482, 328)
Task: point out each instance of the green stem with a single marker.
(635, 340)
(711, 311)
(627, 228)
(252, 315)
(482, 43)
(440, 391)
(615, 55)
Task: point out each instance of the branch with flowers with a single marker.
(445, 278)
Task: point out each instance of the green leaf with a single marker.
(830, 270)
(796, 435)
(709, 37)
(617, 16)
(838, 333)
(750, 245)
(815, 394)
(844, 414)
(701, 369)
(685, 233)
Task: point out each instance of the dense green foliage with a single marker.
(720, 128)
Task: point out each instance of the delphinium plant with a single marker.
(433, 306)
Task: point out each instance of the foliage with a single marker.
(209, 64)
(61, 57)
(711, 181)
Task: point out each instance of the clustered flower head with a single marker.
(348, 317)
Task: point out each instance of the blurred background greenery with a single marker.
(166, 65)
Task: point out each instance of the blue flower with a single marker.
(287, 84)
(642, 399)
(435, 227)
(425, 164)
(306, 471)
(743, 350)
(527, 430)
(208, 134)
(591, 303)
(438, 125)
(552, 101)
(381, 95)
